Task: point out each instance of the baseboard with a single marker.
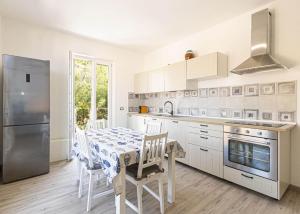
(58, 149)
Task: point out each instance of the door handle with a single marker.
(247, 176)
(204, 150)
(203, 125)
(174, 121)
(204, 137)
(204, 131)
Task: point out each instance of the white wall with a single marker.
(37, 42)
(233, 38)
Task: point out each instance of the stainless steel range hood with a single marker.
(261, 59)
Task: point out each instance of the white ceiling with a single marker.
(141, 25)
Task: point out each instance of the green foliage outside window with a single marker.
(102, 91)
(83, 91)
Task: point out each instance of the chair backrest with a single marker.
(153, 127)
(89, 125)
(152, 151)
(100, 124)
(84, 146)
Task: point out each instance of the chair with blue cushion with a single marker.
(148, 169)
(76, 150)
(92, 167)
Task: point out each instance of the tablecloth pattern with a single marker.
(117, 147)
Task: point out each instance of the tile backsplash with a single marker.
(267, 101)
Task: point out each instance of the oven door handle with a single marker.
(231, 137)
(246, 176)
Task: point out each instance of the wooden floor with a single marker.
(197, 192)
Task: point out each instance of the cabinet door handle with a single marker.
(204, 131)
(154, 119)
(204, 137)
(174, 121)
(203, 125)
(204, 150)
(247, 176)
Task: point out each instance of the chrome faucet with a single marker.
(172, 112)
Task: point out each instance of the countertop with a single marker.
(218, 121)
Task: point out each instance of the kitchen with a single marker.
(226, 93)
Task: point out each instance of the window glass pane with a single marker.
(102, 91)
(83, 91)
(251, 155)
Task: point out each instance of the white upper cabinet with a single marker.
(156, 81)
(141, 83)
(175, 76)
(210, 66)
(176, 79)
(182, 75)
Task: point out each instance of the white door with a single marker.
(194, 155)
(89, 92)
(140, 123)
(203, 159)
(213, 162)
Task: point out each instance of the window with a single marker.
(89, 91)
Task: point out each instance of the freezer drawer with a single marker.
(25, 151)
(26, 91)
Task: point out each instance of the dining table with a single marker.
(117, 148)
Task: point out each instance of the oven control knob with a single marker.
(247, 131)
(259, 133)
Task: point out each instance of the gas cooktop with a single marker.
(275, 125)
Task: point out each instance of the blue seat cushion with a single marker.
(96, 165)
(132, 171)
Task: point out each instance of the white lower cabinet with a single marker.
(194, 155)
(176, 130)
(137, 122)
(214, 162)
(205, 148)
(256, 183)
(130, 121)
(205, 159)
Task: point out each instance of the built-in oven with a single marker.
(251, 150)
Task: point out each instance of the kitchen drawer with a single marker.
(256, 183)
(205, 126)
(211, 142)
(205, 141)
(211, 133)
(196, 139)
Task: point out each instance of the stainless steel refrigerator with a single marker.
(26, 116)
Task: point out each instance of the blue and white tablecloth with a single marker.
(117, 147)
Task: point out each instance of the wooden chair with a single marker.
(148, 169)
(93, 169)
(153, 128)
